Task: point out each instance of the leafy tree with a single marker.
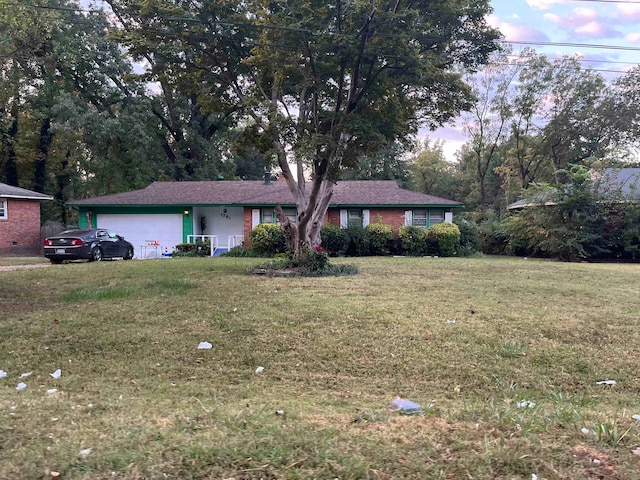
(325, 83)
(431, 173)
(386, 164)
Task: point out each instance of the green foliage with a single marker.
(448, 236)
(379, 236)
(198, 249)
(358, 241)
(581, 222)
(268, 238)
(413, 240)
(469, 236)
(241, 251)
(334, 239)
(493, 236)
(631, 228)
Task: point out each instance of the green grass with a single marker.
(507, 388)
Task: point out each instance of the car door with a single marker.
(105, 242)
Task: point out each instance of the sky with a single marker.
(605, 33)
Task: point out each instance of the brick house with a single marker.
(20, 220)
(168, 213)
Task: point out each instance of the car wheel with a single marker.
(56, 261)
(129, 254)
(96, 254)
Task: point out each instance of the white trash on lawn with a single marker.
(3, 374)
(25, 375)
(56, 374)
(607, 382)
(204, 346)
(526, 404)
(85, 452)
(21, 386)
(259, 369)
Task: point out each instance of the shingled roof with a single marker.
(9, 191)
(384, 193)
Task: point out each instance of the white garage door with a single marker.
(138, 229)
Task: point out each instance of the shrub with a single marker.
(469, 237)
(318, 260)
(240, 251)
(335, 240)
(448, 236)
(268, 238)
(379, 237)
(413, 240)
(493, 236)
(198, 249)
(358, 242)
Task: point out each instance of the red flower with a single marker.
(318, 248)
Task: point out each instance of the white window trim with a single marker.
(3, 213)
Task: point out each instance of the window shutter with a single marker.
(408, 218)
(448, 217)
(344, 219)
(255, 218)
(365, 218)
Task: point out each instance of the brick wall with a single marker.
(388, 216)
(20, 231)
(247, 226)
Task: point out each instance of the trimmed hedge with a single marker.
(268, 239)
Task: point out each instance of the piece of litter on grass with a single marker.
(526, 404)
(585, 430)
(55, 474)
(235, 309)
(90, 405)
(25, 375)
(21, 386)
(405, 406)
(636, 417)
(52, 390)
(636, 451)
(204, 346)
(534, 476)
(56, 374)
(451, 321)
(259, 369)
(3, 374)
(279, 412)
(607, 382)
(85, 452)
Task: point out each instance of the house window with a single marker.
(3, 209)
(420, 218)
(354, 217)
(268, 216)
(436, 216)
(427, 218)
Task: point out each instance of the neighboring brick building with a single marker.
(169, 213)
(20, 220)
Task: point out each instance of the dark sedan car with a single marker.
(93, 245)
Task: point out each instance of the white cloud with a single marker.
(553, 18)
(628, 12)
(513, 32)
(543, 4)
(633, 37)
(591, 28)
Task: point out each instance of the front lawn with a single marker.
(503, 354)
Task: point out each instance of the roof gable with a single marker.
(257, 193)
